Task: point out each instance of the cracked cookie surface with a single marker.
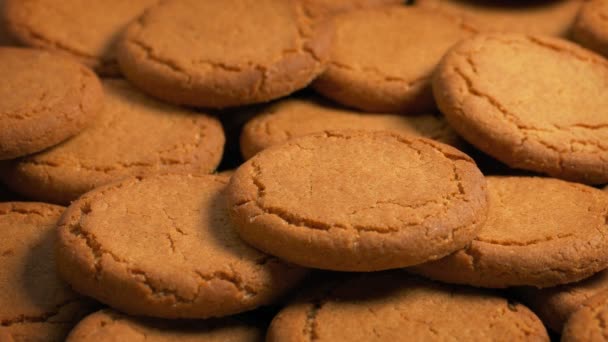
(163, 246)
(36, 305)
(590, 322)
(81, 29)
(326, 8)
(134, 135)
(391, 74)
(358, 201)
(540, 232)
(392, 306)
(46, 100)
(534, 103)
(109, 325)
(296, 117)
(591, 26)
(242, 52)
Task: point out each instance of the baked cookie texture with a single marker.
(587, 323)
(134, 135)
(46, 99)
(540, 232)
(108, 325)
(273, 49)
(327, 8)
(358, 201)
(163, 246)
(391, 74)
(518, 99)
(36, 304)
(81, 29)
(392, 306)
(296, 117)
(591, 26)
(554, 305)
(530, 17)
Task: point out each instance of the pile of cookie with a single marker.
(303, 170)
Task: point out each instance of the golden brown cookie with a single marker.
(35, 304)
(82, 29)
(591, 26)
(555, 304)
(163, 246)
(242, 52)
(358, 201)
(394, 307)
(550, 17)
(327, 8)
(382, 59)
(296, 117)
(588, 324)
(518, 98)
(540, 232)
(134, 135)
(46, 99)
(108, 325)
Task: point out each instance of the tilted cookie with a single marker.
(587, 324)
(591, 26)
(327, 8)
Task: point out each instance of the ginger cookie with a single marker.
(328, 8)
(540, 232)
(535, 120)
(554, 305)
(300, 116)
(591, 26)
(82, 29)
(109, 325)
(36, 305)
(134, 135)
(587, 324)
(390, 306)
(382, 59)
(163, 246)
(530, 17)
(358, 200)
(243, 52)
(46, 100)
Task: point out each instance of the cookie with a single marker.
(518, 98)
(84, 30)
(134, 135)
(555, 304)
(540, 232)
(587, 323)
(46, 100)
(394, 307)
(328, 8)
(296, 117)
(591, 26)
(391, 74)
(242, 52)
(36, 304)
(529, 17)
(109, 325)
(358, 201)
(163, 246)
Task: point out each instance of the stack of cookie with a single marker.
(303, 170)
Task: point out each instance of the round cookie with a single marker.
(242, 52)
(555, 304)
(163, 246)
(134, 135)
(109, 325)
(591, 26)
(540, 232)
(391, 74)
(552, 17)
(393, 307)
(46, 100)
(300, 116)
(358, 200)
(327, 8)
(518, 99)
(82, 29)
(36, 304)
(587, 323)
